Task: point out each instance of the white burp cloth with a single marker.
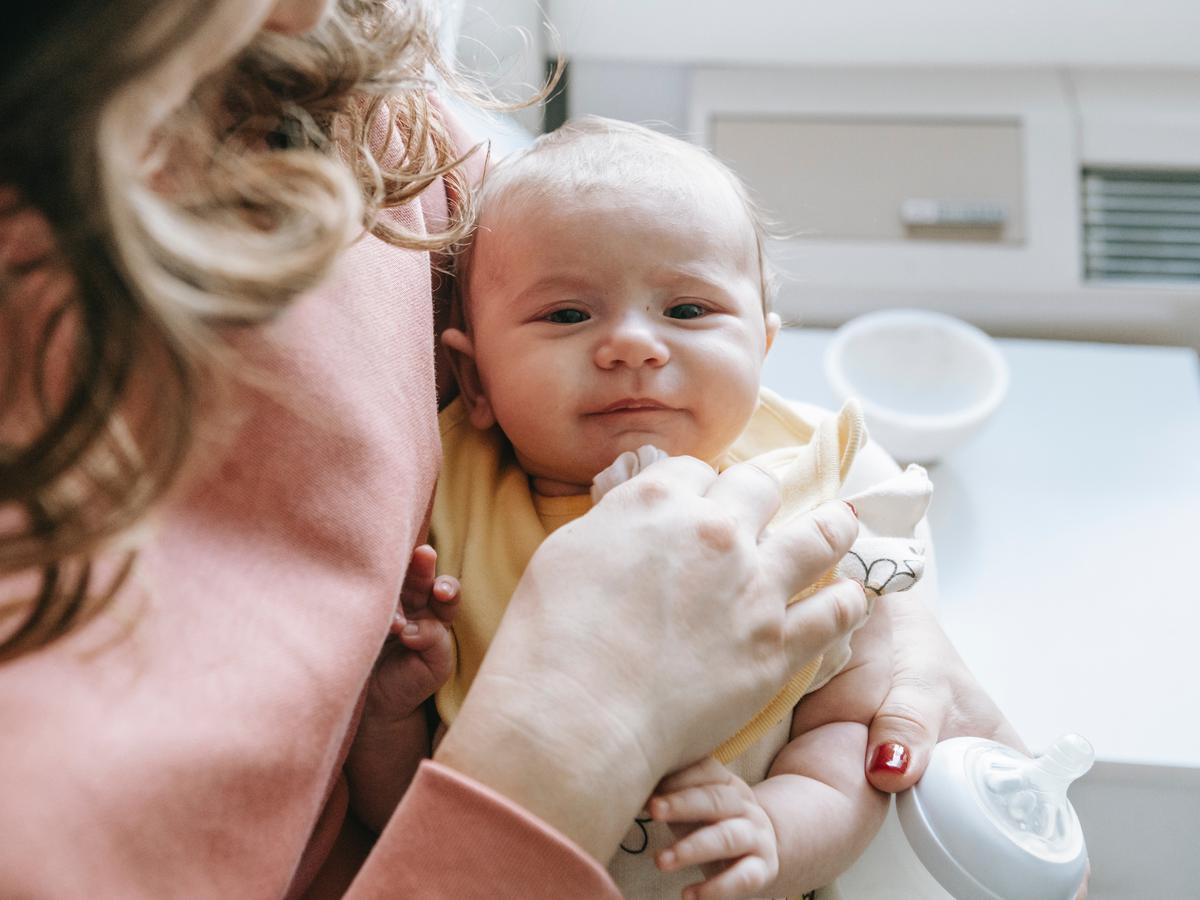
(888, 556)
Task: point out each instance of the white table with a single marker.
(1066, 537)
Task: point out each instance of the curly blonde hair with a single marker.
(271, 173)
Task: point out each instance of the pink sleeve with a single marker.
(454, 838)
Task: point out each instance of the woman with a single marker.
(217, 448)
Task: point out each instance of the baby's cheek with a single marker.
(728, 419)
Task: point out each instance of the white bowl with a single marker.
(926, 381)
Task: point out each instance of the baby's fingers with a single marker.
(706, 771)
(418, 580)
(725, 840)
(745, 878)
(419, 635)
(703, 803)
(446, 593)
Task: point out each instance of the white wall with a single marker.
(1093, 82)
(883, 32)
(648, 93)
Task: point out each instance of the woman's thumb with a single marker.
(902, 736)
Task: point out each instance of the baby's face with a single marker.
(619, 318)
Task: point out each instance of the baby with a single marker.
(615, 306)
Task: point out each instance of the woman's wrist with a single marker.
(554, 757)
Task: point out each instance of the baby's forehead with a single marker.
(683, 191)
(599, 164)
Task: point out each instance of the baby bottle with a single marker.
(989, 823)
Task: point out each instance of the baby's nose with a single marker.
(632, 343)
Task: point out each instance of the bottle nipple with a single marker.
(1027, 798)
(989, 823)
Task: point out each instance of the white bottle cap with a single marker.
(989, 823)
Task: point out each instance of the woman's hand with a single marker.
(641, 636)
(933, 696)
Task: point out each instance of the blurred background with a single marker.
(1031, 167)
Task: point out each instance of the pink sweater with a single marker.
(187, 743)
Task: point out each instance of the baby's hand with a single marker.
(393, 735)
(418, 662)
(730, 835)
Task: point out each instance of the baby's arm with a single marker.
(796, 831)
(393, 735)
(824, 810)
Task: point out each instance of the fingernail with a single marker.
(891, 758)
(667, 858)
(411, 630)
(852, 509)
(866, 614)
(441, 584)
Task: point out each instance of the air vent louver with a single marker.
(1141, 225)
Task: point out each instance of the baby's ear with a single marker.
(461, 351)
(773, 325)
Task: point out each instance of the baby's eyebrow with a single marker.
(568, 284)
(692, 276)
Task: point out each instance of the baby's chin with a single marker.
(578, 475)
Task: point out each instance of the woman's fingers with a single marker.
(744, 493)
(913, 718)
(673, 474)
(933, 697)
(748, 494)
(803, 549)
(812, 624)
(903, 733)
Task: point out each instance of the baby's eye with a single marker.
(567, 316)
(685, 311)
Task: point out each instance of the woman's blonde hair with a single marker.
(101, 388)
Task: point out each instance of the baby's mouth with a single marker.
(631, 404)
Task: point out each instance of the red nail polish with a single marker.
(852, 509)
(892, 758)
